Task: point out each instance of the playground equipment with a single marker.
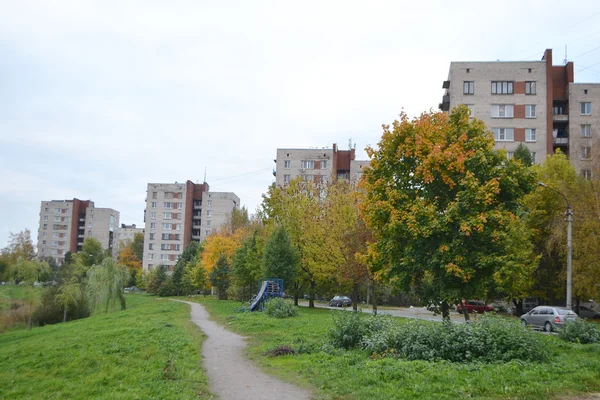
(267, 288)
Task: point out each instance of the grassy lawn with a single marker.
(572, 369)
(151, 350)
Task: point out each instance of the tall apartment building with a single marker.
(531, 102)
(321, 165)
(65, 224)
(176, 214)
(128, 232)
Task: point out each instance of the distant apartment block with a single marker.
(176, 214)
(65, 224)
(531, 102)
(128, 232)
(320, 165)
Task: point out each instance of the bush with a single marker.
(280, 308)
(579, 331)
(489, 339)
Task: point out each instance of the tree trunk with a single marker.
(122, 300)
(65, 315)
(296, 299)
(445, 311)
(374, 297)
(29, 321)
(311, 298)
(465, 310)
(518, 307)
(577, 304)
(355, 298)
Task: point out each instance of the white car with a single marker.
(586, 312)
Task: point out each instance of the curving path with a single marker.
(230, 375)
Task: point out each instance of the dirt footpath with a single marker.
(230, 375)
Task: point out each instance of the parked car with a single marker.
(474, 306)
(586, 312)
(548, 317)
(340, 301)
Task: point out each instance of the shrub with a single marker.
(579, 331)
(280, 308)
(348, 329)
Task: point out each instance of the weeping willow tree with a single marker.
(105, 286)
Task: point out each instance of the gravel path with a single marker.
(230, 375)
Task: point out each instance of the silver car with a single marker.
(548, 317)
(586, 312)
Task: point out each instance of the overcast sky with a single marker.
(98, 98)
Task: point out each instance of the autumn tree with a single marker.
(20, 246)
(440, 201)
(219, 244)
(129, 260)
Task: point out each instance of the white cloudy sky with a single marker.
(97, 98)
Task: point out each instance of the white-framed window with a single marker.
(208, 213)
(164, 257)
(530, 111)
(152, 236)
(307, 164)
(533, 156)
(207, 233)
(358, 176)
(586, 152)
(307, 177)
(502, 111)
(510, 154)
(46, 218)
(586, 108)
(57, 211)
(167, 215)
(55, 243)
(168, 205)
(152, 215)
(530, 87)
(45, 226)
(586, 173)
(586, 130)
(471, 108)
(208, 223)
(56, 219)
(504, 134)
(54, 251)
(154, 204)
(177, 247)
(167, 227)
(152, 225)
(150, 246)
(43, 251)
(177, 227)
(502, 87)
(54, 234)
(44, 234)
(209, 203)
(468, 87)
(154, 195)
(286, 179)
(323, 164)
(150, 256)
(530, 135)
(287, 164)
(177, 206)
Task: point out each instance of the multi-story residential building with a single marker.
(531, 102)
(176, 214)
(65, 224)
(128, 232)
(321, 165)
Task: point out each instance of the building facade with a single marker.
(176, 214)
(127, 233)
(320, 165)
(65, 224)
(531, 102)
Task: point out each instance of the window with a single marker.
(44, 234)
(153, 215)
(54, 243)
(45, 226)
(151, 256)
(43, 242)
(471, 108)
(504, 134)
(154, 195)
(287, 164)
(150, 246)
(208, 213)
(502, 87)
(529, 87)
(530, 135)
(468, 87)
(167, 215)
(502, 110)
(152, 225)
(286, 179)
(164, 257)
(530, 111)
(57, 211)
(177, 227)
(167, 227)
(307, 178)
(46, 209)
(209, 203)
(586, 108)
(168, 205)
(324, 164)
(56, 219)
(586, 173)
(586, 130)
(169, 195)
(307, 164)
(510, 154)
(208, 223)
(207, 233)
(152, 236)
(533, 156)
(586, 151)
(153, 204)
(177, 206)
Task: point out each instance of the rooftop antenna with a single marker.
(204, 174)
(350, 144)
(565, 61)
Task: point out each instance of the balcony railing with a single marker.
(560, 117)
(561, 141)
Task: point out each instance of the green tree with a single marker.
(20, 246)
(138, 246)
(105, 286)
(156, 277)
(186, 256)
(239, 219)
(523, 154)
(246, 266)
(69, 294)
(220, 277)
(280, 258)
(440, 200)
(91, 253)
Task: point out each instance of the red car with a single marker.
(474, 306)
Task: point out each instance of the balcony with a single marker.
(197, 206)
(445, 104)
(196, 226)
(80, 236)
(446, 85)
(560, 117)
(196, 217)
(196, 237)
(561, 141)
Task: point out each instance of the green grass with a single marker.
(572, 369)
(151, 350)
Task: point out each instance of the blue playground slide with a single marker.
(259, 296)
